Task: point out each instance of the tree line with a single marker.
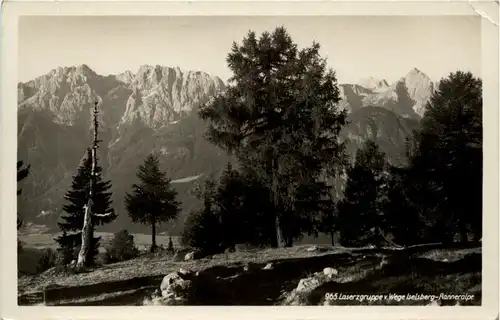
(280, 123)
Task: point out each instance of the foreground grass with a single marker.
(223, 279)
(150, 266)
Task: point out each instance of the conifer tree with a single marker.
(22, 173)
(229, 200)
(401, 216)
(203, 229)
(446, 165)
(360, 211)
(279, 118)
(71, 223)
(170, 247)
(89, 213)
(153, 201)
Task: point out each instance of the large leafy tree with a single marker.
(446, 164)
(278, 116)
(361, 209)
(71, 223)
(153, 201)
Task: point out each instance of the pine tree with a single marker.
(446, 165)
(279, 118)
(122, 247)
(22, 173)
(202, 229)
(71, 223)
(170, 247)
(153, 201)
(229, 200)
(360, 212)
(402, 217)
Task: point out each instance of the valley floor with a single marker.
(228, 280)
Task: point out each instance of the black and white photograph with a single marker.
(267, 160)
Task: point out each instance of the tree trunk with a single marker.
(87, 220)
(332, 235)
(87, 229)
(86, 235)
(153, 235)
(279, 238)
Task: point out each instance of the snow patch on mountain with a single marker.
(187, 179)
(374, 84)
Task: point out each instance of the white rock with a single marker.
(167, 281)
(189, 256)
(268, 266)
(312, 248)
(330, 272)
(185, 271)
(174, 288)
(307, 285)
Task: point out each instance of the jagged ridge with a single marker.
(152, 110)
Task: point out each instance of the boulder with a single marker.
(181, 254)
(189, 256)
(307, 285)
(185, 272)
(301, 294)
(168, 280)
(175, 289)
(268, 266)
(330, 272)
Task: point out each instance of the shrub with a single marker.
(102, 258)
(170, 247)
(47, 260)
(122, 247)
(202, 231)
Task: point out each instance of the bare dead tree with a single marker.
(87, 230)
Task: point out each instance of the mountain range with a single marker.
(155, 109)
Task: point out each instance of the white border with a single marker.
(9, 67)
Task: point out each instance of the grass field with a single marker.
(34, 244)
(131, 282)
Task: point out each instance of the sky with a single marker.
(356, 47)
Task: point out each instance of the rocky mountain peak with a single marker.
(415, 76)
(374, 83)
(162, 94)
(420, 88)
(126, 77)
(156, 95)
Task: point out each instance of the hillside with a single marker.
(154, 109)
(286, 276)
